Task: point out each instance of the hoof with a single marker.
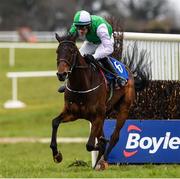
(58, 157)
(101, 165)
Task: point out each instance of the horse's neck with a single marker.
(84, 76)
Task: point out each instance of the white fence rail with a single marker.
(13, 46)
(41, 36)
(14, 102)
(163, 49)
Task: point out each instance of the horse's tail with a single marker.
(140, 66)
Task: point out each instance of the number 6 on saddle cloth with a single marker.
(119, 70)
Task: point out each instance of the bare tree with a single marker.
(146, 9)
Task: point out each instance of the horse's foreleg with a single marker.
(96, 132)
(57, 156)
(63, 117)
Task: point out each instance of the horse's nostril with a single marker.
(65, 73)
(61, 76)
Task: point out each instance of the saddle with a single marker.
(112, 70)
(111, 67)
(118, 69)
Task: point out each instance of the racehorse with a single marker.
(87, 96)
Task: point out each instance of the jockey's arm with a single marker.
(107, 43)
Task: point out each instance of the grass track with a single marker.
(34, 160)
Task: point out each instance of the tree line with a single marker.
(45, 15)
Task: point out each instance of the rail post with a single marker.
(14, 102)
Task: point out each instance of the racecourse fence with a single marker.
(14, 102)
(13, 46)
(163, 51)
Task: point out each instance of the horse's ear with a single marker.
(57, 37)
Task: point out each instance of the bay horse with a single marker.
(86, 96)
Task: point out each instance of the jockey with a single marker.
(98, 43)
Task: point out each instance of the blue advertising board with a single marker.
(145, 141)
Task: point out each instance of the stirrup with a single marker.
(62, 89)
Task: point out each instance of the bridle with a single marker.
(72, 66)
(74, 55)
(63, 76)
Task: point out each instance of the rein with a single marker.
(83, 91)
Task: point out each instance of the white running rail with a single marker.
(14, 102)
(163, 50)
(13, 46)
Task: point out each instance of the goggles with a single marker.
(81, 27)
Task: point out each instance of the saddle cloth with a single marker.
(120, 69)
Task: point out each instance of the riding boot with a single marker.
(108, 64)
(62, 89)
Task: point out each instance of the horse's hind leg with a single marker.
(63, 117)
(121, 118)
(101, 162)
(114, 137)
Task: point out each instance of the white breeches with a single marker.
(90, 48)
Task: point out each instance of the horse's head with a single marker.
(66, 55)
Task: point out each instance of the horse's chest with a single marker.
(83, 105)
(81, 108)
(81, 101)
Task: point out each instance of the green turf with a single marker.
(35, 160)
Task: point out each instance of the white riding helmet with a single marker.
(82, 18)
